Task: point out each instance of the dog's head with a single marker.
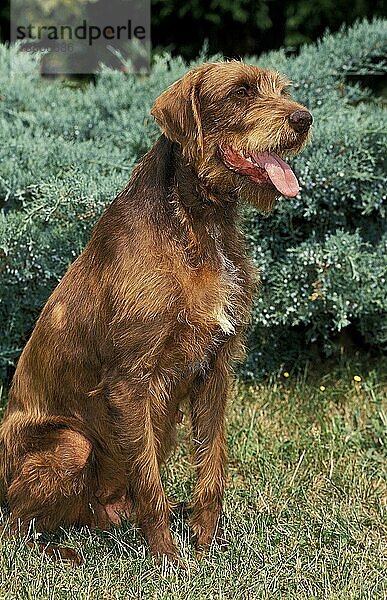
(235, 123)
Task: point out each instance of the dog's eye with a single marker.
(242, 92)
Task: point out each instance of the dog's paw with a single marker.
(208, 536)
(58, 553)
(169, 561)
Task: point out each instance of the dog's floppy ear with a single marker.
(177, 110)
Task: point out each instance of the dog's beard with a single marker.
(262, 196)
(265, 176)
(225, 182)
(229, 186)
(262, 168)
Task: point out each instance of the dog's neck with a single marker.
(192, 194)
(166, 190)
(204, 218)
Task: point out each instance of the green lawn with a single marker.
(304, 509)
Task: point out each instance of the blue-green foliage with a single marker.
(66, 152)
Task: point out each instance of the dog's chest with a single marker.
(216, 298)
(216, 307)
(227, 303)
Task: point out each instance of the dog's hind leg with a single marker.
(50, 480)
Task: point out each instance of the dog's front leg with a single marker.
(208, 404)
(137, 434)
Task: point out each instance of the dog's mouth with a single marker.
(262, 168)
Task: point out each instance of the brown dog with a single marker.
(152, 312)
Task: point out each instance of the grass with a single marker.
(304, 508)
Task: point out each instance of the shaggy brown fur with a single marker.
(151, 313)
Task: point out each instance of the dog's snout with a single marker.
(300, 120)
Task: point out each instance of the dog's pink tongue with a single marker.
(279, 172)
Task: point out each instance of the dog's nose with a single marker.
(300, 120)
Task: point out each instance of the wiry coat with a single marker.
(151, 313)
